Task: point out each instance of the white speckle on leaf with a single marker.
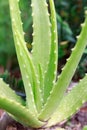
(29, 85)
(54, 41)
(24, 66)
(19, 12)
(32, 42)
(21, 54)
(45, 71)
(54, 31)
(32, 5)
(27, 76)
(32, 51)
(33, 25)
(67, 59)
(55, 72)
(21, 23)
(73, 49)
(48, 14)
(38, 81)
(33, 34)
(32, 14)
(77, 109)
(55, 52)
(82, 25)
(78, 36)
(46, 4)
(23, 33)
(11, 8)
(13, 20)
(50, 24)
(83, 101)
(55, 63)
(50, 92)
(53, 81)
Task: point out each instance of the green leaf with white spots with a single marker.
(50, 76)
(16, 106)
(41, 79)
(29, 77)
(19, 112)
(66, 75)
(39, 71)
(41, 34)
(33, 94)
(6, 91)
(70, 103)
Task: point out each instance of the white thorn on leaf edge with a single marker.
(82, 24)
(32, 5)
(32, 14)
(78, 36)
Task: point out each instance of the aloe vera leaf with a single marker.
(41, 79)
(66, 75)
(35, 82)
(14, 105)
(16, 21)
(51, 73)
(25, 62)
(20, 112)
(70, 103)
(41, 34)
(6, 91)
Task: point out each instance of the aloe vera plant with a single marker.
(46, 102)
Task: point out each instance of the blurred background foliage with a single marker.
(7, 50)
(6, 42)
(70, 14)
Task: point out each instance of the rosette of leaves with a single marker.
(46, 102)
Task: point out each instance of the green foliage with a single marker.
(14, 82)
(45, 93)
(7, 50)
(27, 19)
(85, 128)
(65, 33)
(72, 13)
(6, 41)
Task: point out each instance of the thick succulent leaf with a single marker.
(41, 34)
(24, 58)
(66, 75)
(70, 103)
(22, 114)
(41, 79)
(24, 61)
(14, 105)
(50, 76)
(7, 92)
